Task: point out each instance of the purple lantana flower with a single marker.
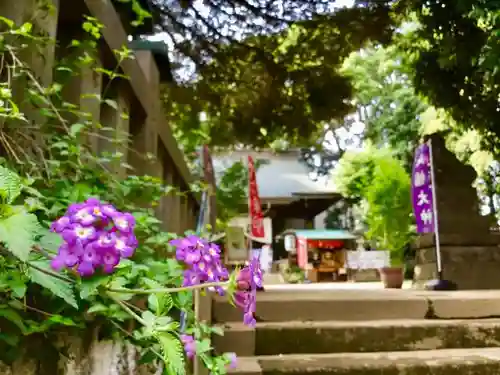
(248, 281)
(124, 222)
(232, 360)
(189, 345)
(202, 260)
(96, 236)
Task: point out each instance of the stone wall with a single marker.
(72, 355)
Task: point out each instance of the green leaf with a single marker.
(76, 129)
(12, 340)
(147, 357)
(173, 353)
(18, 287)
(111, 103)
(10, 184)
(219, 331)
(17, 232)
(62, 320)
(50, 242)
(203, 346)
(184, 300)
(97, 308)
(13, 317)
(90, 287)
(58, 287)
(8, 22)
(166, 323)
(149, 318)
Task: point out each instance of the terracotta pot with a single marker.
(392, 277)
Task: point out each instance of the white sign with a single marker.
(244, 222)
(364, 260)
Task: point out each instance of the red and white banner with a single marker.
(254, 206)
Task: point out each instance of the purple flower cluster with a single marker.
(203, 261)
(96, 235)
(248, 281)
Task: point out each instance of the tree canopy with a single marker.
(454, 54)
(385, 99)
(262, 70)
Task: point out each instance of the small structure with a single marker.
(322, 253)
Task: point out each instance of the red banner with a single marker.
(254, 206)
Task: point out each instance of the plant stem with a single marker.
(167, 290)
(127, 309)
(50, 273)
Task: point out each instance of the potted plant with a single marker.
(393, 277)
(388, 216)
(377, 182)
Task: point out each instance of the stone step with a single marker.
(482, 361)
(359, 305)
(298, 337)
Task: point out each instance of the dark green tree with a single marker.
(454, 52)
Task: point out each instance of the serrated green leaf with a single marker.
(58, 287)
(17, 232)
(10, 184)
(50, 242)
(173, 353)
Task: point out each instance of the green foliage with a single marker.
(18, 228)
(232, 190)
(10, 185)
(41, 274)
(378, 181)
(453, 51)
(283, 84)
(386, 100)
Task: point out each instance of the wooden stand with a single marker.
(320, 274)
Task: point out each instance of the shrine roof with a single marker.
(280, 175)
(322, 234)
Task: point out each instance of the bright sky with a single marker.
(204, 11)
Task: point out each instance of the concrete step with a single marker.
(298, 337)
(484, 361)
(359, 305)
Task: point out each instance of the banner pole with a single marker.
(435, 213)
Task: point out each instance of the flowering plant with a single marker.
(101, 268)
(98, 237)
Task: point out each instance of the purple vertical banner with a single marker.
(421, 190)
